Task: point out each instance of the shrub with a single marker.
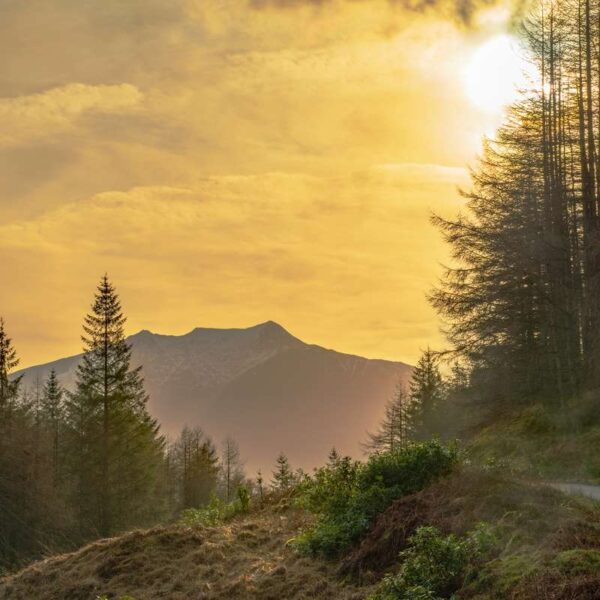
(434, 566)
(216, 511)
(348, 496)
(243, 498)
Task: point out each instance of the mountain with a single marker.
(263, 386)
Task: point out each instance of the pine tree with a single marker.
(15, 534)
(52, 411)
(9, 387)
(392, 432)
(283, 477)
(333, 458)
(426, 395)
(116, 451)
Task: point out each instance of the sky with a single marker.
(229, 162)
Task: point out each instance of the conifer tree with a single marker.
(392, 431)
(117, 450)
(9, 388)
(426, 395)
(333, 458)
(52, 411)
(283, 477)
(14, 531)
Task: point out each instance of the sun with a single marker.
(495, 73)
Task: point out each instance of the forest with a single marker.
(520, 305)
(91, 462)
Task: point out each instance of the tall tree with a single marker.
(52, 413)
(9, 387)
(118, 451)
(15, 533)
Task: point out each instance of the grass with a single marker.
(548, 444)
(246, 558)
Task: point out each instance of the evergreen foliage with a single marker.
(521, 302)
(347, 496)
(283, 476)
(434, 566)
(427, 392)
(116, 451)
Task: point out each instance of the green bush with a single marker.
(216, 511)
(347, 496)
(434, 566)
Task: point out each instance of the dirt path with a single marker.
(578, 489)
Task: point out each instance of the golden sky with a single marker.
(228, 162)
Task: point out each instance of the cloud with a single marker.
(462, 10)
(228, 164)
(322, 254)
(58, 109)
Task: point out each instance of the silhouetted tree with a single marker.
(392, 431)
(116, 451)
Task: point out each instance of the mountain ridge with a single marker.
(261, 384)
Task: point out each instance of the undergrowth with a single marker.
(347, 495)
(435, 566)
(559, 443)
(216, 511)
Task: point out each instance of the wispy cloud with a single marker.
(59, 109)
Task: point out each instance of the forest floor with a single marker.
(245, 559)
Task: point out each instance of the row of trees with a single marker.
(522, 303)
(90, 462)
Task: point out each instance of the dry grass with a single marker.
(245, 559)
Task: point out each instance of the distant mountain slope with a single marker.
(262, 385)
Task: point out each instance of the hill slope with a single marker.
(268, 389)
(245, 559)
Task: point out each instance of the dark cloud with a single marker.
(461, 10)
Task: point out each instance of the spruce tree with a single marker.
(9, 387)
(52, 412)
(283, 477)
(333, 458)
(14, 530)
(426, 395)
(116, 447)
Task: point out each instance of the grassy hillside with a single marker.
(247, 558)
(561, 444)
(419, 525)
